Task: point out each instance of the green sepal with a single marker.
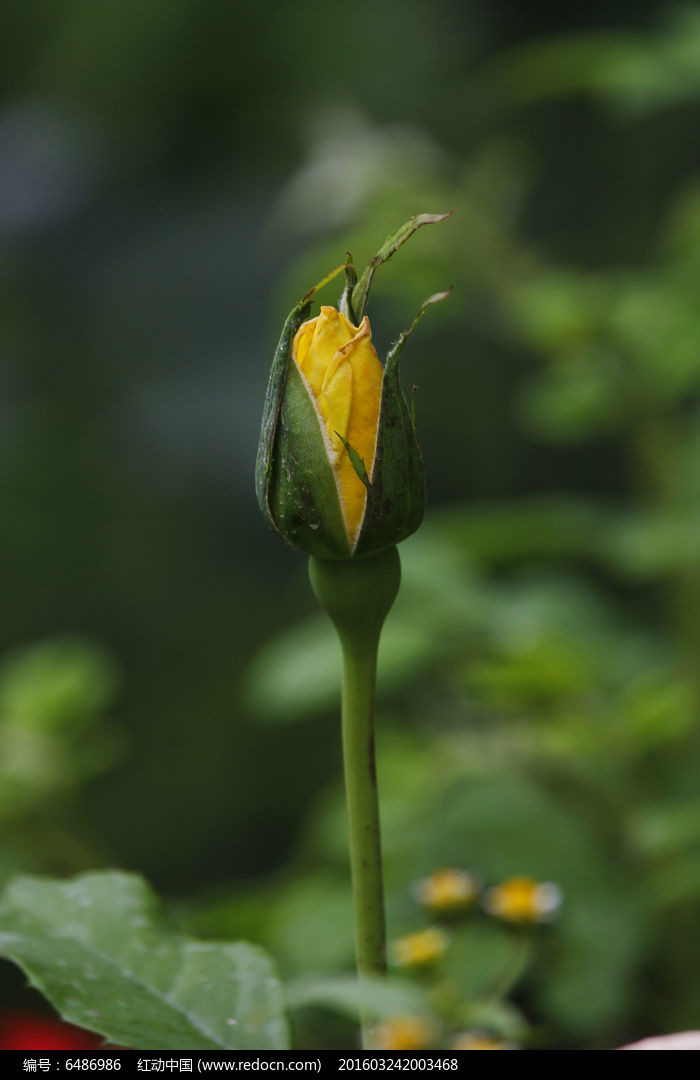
(304, 501)
(396, 494)
(345, 303)
(273, 400)
(294, 480)
(360, 291)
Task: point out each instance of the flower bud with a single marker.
(523, 900)
(403, 1033)
(447, 892)
(422, 949)
(339, 472)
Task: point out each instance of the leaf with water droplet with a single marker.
(101, 939)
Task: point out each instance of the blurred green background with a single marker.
(174, 176)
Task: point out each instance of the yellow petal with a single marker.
(344, 378)
(303, 340)
(337, 391)
(361, 431)
(317, 342)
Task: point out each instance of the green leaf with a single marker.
(500, 534)
(297, 674)
(355, 460)
(389, 248)
(97, 947)
(500, 1017)
(484, 960)
(57, 685)
(377, 997)
(52, 733)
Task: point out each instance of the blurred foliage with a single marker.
(54, 739)
(51, 698)
(173, 174)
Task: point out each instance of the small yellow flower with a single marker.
(479, 1040)
(447, 891)
(419, 950)
(523, 900)
(403, 1033)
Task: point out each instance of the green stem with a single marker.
(359, 674)
(357, 594)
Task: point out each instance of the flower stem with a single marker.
(363, 807)
(357, 595)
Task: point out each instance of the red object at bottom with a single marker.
(24, 1031)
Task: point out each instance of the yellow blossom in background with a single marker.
(523, 900)
(403, 1033)
(478, 1040)
(447, 891)
(418, 950)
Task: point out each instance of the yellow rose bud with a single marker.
(339, 472)
(343, 376)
